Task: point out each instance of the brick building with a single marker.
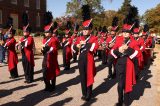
(15, 9)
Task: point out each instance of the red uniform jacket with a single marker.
(109, 40)
(74, 39)
(68, 43)
(28, 49)
(140, 44)
(12, 55)
(130, 72)
(102, 41)
(91, 70)
(52, 63)
(148, 44)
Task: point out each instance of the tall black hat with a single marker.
(145, 30)
(114, 24)
(128, 22)
(136, 28)
(68, 27)
(55, 27)
(76, 28)
(25, 21)
(48, 22)
(87, 21)
(9, 26)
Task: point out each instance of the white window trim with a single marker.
(1, 16)
(26, 5)
(38, 4)
(14, 2)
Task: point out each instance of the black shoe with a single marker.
(46, 89)
(87, 98)
(53, 88)
(137, 77)
(83, 98)
(103, 63)
(109, 76)
(113, 76)
(75, 60)
(118, 104)
(25, 81)
(29, 82)
(66, 69)
(15, 77)
(11, 77)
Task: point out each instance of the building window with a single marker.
(14, 1)
(38, 4)
(26, 3)
(38, 20)
(0, 16)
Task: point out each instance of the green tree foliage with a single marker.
(100, 17)
(125, 7)
(152, 18)
(74, 7)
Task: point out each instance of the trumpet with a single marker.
(21, 44)
(113, 40)
(123, 54)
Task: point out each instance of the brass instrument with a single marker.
(19, 45)
(113, 40)
(123, 54)
(83, 46)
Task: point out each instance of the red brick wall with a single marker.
(7, 8)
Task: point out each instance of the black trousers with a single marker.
(49, 83)
(14, 72)
(104, 57)
(99, 54)
(28, 69)
(136, 67)
(66, 63)
(74, 56)
(82, 64)
(110, 65)
(121, 75)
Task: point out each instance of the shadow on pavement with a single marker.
(142, 84)
(36, 97)
(5, 82)
(5, 92)
(62, 102)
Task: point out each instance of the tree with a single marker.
(125, 7)
(152, 18)
(74, 7)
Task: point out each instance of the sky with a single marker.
(58, 7)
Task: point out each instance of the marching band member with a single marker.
(26, 44)
(110, 44)
(140, 43)
(50, 65)
(2, 41)
(99, 37)
(74, 38)
(12, 55)
(66, 44)
(148, 44)
(86, 44)
(125, 51)
(103, 45)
